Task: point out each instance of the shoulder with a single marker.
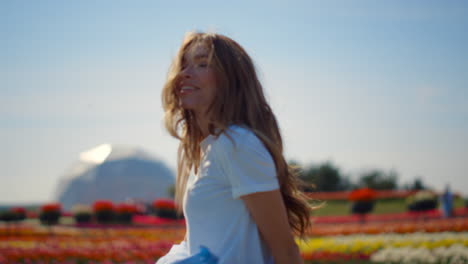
(236, 136)
(240, 142)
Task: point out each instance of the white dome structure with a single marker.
(116, 173)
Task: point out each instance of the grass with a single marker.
(390, 206)
(385, 206)
(333, 207)
(337, 262)
(342, 207)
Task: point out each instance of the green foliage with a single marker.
(12, 216)
(325, 177)
(83, 217)
(49, 217)
(418, 185)
(422, 201)
(379, 180)
(124, 217)
(105, 216)
(362, 207)
(167, 213)
(7, 216)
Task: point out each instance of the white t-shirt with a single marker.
(216, 216)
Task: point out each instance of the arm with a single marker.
(269, 213)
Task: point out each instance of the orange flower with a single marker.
(101, 205)
(363, 194)
(164, 204)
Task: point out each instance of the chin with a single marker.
(187, 106)
(194, 105)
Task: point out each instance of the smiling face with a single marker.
(196, 87)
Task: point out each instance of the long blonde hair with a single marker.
(239, 100)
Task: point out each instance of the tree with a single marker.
(379, 180)
(325, 177)
(418, 185)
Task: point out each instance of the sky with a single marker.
(363, 84)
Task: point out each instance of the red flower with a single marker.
(363, 194)
(51, 207)
(127, 208)
(19, 210)
(164, 204)
(101, 205)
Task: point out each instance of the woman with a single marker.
(239, 196)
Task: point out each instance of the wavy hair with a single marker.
(239, 101)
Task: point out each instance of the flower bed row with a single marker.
(391, 217)
(28, 232)
(410, 255)
(376, 247)
(101, 212)
(402, 227)
(61, 249)
(317, 229)
(28, 244)
(146, 245)
(344, 195)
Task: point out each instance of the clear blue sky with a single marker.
(365, 84)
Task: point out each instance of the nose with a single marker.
(186, 73)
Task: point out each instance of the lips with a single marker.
(187, 89)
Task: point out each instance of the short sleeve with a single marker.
(248, 164)
(177, 253)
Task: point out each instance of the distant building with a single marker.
(116, 173)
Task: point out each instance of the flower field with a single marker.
(106, 233)
(28, 244)
(400, 227)
(376, 248)
(348, 244)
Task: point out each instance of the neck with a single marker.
(203, 124)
